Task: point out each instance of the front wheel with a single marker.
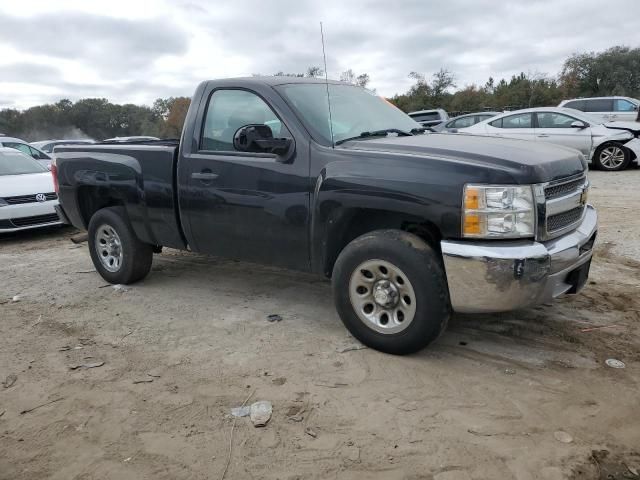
(611, 158)
(390, 291)
(117, 254)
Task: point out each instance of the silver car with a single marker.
(609, 146)
(24, 147)
(429, 118)
(27, 195)
(463, 121)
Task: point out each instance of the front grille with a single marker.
(564, 219)
(28, 198)
(35, 220)
(555, 191)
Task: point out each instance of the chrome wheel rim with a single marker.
(382, 296)
(109, 248)
(611, 157)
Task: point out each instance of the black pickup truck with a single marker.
(331, 179)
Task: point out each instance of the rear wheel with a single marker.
(116, 252)
(611, 157)
(390, 291)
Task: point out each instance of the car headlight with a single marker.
(3, 203)
(498, 211)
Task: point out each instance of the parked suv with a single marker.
(430, 118)
(607, 109)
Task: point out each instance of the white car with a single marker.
(27, 196)
(609, 146)
(607, 109)
(27, 149)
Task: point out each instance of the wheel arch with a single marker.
(355, 222)
(90, 199)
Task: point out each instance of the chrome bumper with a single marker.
(501, 276)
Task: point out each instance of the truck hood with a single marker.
(27, 184)
(523, 161)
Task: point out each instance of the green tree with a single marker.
(615, 71)
(314, 72)
(350, 76)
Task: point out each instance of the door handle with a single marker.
(543, 136)
(206, 176)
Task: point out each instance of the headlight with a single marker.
(498, 211)
(3, 203)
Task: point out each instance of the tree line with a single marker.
(615, 71)
(95, 118)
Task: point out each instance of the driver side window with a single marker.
(229, 110)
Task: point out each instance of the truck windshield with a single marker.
(354, 110)
(18, 164)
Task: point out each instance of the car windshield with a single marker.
(354, 111)
(16, 163)
(583, 116)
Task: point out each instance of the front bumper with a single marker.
(26, 216)
(494, 276)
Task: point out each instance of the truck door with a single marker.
(247, 206)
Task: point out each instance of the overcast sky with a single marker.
(136, 51)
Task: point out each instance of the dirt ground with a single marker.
(496, 397)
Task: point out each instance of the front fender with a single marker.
(344, 188)
(634, 146)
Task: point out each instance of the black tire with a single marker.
(136, 256)
(425, 273)
(600, 161)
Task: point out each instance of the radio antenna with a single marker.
(326, 80)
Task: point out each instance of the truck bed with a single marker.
(140, 177)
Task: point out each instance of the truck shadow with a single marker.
(33, 236)
(539, 336)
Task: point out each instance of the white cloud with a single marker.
(135, 51)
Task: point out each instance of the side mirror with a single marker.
(578, 124)
(259, 139)
(453, 130)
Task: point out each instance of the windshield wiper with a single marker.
(377, 133)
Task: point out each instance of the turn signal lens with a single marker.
(54, 174)
(471, 198)
(472, 225)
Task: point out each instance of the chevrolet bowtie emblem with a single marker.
(583, 196)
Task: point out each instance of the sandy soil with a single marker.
(486, 401)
